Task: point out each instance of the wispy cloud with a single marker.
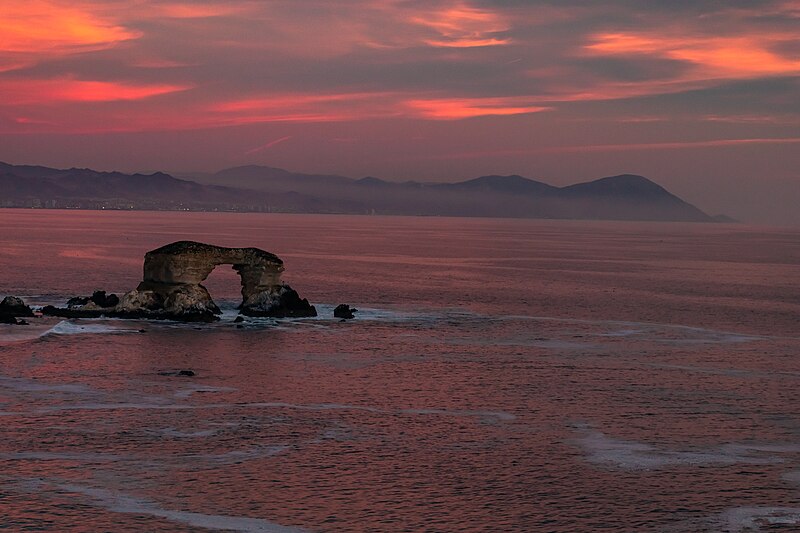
(459, 108)
(460, 25)
(270, 144)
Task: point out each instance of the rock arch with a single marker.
(173, 276)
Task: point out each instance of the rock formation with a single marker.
(344, 311)
(171, 287)
(12, 307)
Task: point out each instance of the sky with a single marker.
(701, 96)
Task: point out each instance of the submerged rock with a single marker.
(344, 311)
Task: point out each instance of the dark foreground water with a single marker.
(502, 376)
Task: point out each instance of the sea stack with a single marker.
(172, 284)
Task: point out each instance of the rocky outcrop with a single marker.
(94, 306)
(344, 311)
(172, 284)
(11, 308)
(280, 301)
(11, 305)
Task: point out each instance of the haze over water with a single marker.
(502, 375)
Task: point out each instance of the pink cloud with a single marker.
(46, 92)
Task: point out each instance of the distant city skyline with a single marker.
(702, 97)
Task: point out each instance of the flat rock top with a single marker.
(200, 248)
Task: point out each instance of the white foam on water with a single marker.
(756, 518)
(66, 327)
(630, 455)
(119, 502)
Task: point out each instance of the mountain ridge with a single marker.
(272, 189)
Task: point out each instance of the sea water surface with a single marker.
(501, 375)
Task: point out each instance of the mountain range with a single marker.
(259, 188)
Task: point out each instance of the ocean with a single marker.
(500, 375)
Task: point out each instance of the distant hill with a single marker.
(257, 188)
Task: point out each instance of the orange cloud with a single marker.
(35, 26)
(736, 57)
(43, 92)
(458, 108)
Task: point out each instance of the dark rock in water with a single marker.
(97, 305)
(179, 373)
(344, 311)
(74, 312)
(11, 306)
(77, 301)
(100, 299)
(280, 301)
(238, 319)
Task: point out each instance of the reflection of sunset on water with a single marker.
(502, 374)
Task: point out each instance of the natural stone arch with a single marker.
(190, 263)
(173, 276)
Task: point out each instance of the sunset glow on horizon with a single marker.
(413, 86)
